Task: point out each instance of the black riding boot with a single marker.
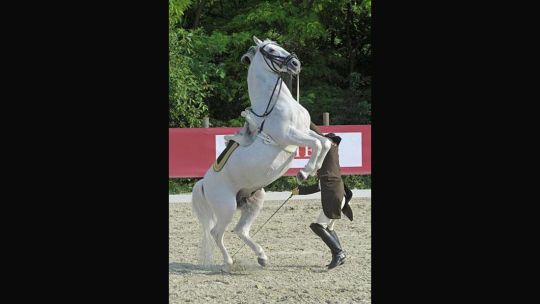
(334, 234)
(336, 259)
(338, 255)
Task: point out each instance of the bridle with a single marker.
(275, 59)
(280, 61)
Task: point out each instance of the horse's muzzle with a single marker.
(294, 66)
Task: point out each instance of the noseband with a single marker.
(280, 61)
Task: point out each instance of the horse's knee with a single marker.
(259, 194)
(318, 145)
(217, 232)
(238, 230)
(327, 144)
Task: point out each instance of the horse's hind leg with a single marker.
(250, 210)
(224, 213)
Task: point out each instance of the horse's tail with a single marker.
(207, 219)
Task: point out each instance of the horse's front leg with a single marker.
(251, 123)
(326, 145)
(306, 139)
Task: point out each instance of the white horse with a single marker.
(279, 125)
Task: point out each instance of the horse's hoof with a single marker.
(301, 177)
(262, 262)
(227, 268)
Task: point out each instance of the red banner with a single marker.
(193, 150)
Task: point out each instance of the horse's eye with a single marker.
(271, 50)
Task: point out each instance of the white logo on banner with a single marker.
(350, 150)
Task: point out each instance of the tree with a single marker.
(189, 78)
(331, 38)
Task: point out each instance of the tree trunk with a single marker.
(198, 13)
(310, 4)
(350, 50)
(352, 61)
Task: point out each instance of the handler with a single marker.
(335, 198)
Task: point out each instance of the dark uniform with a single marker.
(335, 198)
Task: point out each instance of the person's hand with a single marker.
(295, 191)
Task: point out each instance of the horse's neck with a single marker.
(261, 83)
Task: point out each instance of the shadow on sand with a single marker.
(185, 268)
(237, 269)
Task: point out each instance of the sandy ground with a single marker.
(296, 271)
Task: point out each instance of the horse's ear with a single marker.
(256, 40)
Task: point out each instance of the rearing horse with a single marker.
(280, 124)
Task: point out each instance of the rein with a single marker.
(266, 112)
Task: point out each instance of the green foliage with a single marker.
(357, 181)
(332, 39)
(176, 11)
(284, 183)
(187, 89)
(181, 185)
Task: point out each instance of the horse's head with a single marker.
(272, 56)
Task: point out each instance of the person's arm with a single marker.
(304, 190)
